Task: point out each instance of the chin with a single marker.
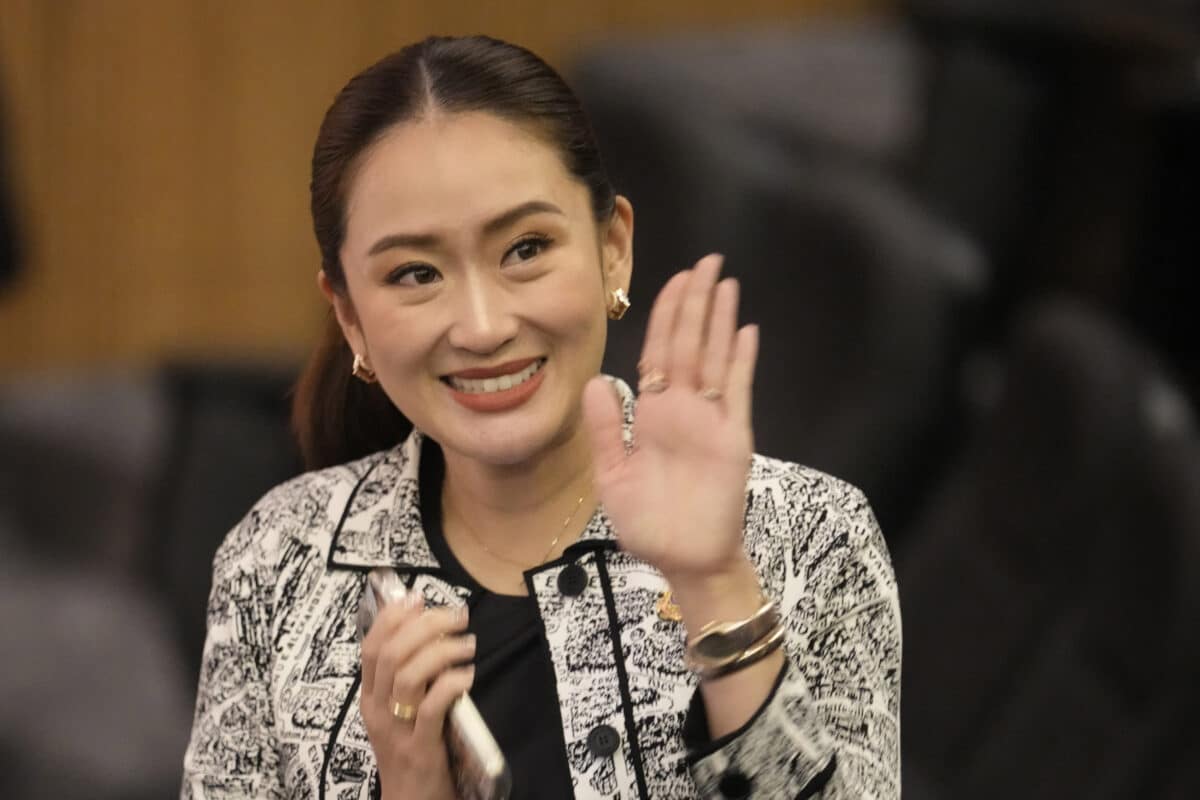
(507, 440)
(499, 445)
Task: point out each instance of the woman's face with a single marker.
(476, 279)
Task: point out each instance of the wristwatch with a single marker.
(722, 644)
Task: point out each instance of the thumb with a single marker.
(602, 418)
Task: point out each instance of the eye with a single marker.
(413, 275)
(527, 248)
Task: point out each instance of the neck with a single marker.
(519, 508)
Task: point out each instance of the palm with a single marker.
(676, 500)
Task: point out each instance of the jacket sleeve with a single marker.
(232, 751)
(831, 726)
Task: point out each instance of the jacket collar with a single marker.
(380, 522)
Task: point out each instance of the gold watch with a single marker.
(722, 645)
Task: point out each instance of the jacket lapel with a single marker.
(380, 525)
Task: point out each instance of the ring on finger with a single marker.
(403, 711)
(712, 393)
(654, 381)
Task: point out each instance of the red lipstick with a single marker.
(507, 368)
(502, 400)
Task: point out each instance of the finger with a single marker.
(449, 686)
(389, 620)
(656, 348)
(690, 327)
(603, 420)
(739, 396)
(714, 366)
(406, 641)
(414, 677)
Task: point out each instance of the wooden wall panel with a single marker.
(161, 154)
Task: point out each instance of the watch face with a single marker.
(714, 645)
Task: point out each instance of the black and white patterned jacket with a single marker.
(277, 714)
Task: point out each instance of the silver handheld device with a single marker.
(478, 766)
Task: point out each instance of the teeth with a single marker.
(472, 386)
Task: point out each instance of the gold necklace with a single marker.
(521, 564)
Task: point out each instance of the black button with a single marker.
(603, 741)
(734, 785)
(572, 580)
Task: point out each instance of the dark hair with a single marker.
(338, 418)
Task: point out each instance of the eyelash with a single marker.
(539, 239)
(402, 272)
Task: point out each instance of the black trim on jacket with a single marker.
(614, 622)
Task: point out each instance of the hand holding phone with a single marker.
(477, 765)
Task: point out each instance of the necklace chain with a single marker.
(522, 565)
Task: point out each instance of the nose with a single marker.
(484, 318)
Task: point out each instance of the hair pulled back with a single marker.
(336, 417)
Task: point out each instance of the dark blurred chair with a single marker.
(1044, 129)
(115, 491)
(94, 699)
(94, 704)
(777, 149)
(81, 457)
(228, 443)
(1051, 590)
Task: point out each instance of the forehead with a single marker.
(454, 171)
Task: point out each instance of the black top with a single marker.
(514, 680)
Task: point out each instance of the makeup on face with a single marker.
(499, 388)
(487, 347)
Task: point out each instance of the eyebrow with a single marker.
(429, 240)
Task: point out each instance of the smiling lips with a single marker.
(498, 388)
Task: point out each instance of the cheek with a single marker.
(396, 335)
(574, 310)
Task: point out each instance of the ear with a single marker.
(617, 247)
(347, 318)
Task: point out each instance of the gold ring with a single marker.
(654, 381)
(403, 711)
(712, 393)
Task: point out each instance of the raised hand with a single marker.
(677, 500)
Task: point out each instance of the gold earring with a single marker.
(361, 371)
(618, 303)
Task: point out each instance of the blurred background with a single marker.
(968, 229)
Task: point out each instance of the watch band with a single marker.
(719, 641)
(749, 656)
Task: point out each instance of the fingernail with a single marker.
(461, 613)
(469, 641)
(413, 600)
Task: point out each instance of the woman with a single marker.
(568, 563)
